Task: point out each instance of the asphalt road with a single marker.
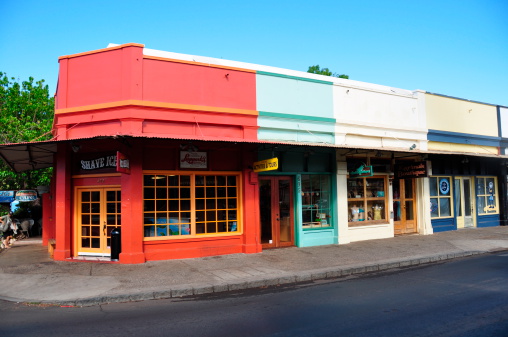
(466, 297)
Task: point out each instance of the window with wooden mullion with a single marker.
(192, 204)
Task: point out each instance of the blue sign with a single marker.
(6, 196)
(444, 186)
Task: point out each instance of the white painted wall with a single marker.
(504, 122)
(373, 232)
(342, 216)
(379, 117)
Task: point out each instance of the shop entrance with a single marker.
(98, 213)
(276, 210)
(404, 206)
(464, 202)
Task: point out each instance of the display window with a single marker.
(486, 195)
(316, 196)
(191, 204)
(367, 200)
(441, 202)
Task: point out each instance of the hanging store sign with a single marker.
(122, 163)
(266, 165)
(362, 171)
(103, 163)
(411, 170)
(193, 160)
(26, 195)
(98, 163)
(6, 196)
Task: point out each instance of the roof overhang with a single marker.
(38, 155)
(28, 156)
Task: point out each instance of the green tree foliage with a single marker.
(325, 71)
(26, 115)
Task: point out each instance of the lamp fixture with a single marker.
(189, 147)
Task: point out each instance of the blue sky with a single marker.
(455, 48)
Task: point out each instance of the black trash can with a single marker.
(116, 244)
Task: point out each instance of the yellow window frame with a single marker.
(439, 197)
(487, 209)
(193, 223)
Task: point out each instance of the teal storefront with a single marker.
(298, 200)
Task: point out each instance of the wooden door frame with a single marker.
(275, 217)
(402, 200)
(77, 213)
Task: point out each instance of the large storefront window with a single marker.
(316, 195)
(486, 196)
(440, 197)
(367, 200)
(184, 205)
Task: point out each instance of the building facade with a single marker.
(465, 185)
(192, 156)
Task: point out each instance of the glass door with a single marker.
(468, 203)
(276, 210)
(464, 202)
(404, 206)
(98, 214)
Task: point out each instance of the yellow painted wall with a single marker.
(438, 146)
(456, 115)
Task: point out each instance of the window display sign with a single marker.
(486, 198)
(444, 186)
(193, 160)
(6, 196)
(26, 195)
(266, 165)
(411, 170)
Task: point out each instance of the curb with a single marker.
(264, 282)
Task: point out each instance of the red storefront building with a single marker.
(162, 149)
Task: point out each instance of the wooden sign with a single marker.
(193, 160)
(97, 163)
(411, 170)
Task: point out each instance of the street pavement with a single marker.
(28, 274)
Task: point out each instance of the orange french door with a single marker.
(98, 214)
(404, 206)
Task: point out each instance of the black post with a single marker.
(116, 244)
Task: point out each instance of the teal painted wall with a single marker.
(296, 130)
(300, 159)
(294, 109)
(294, 95)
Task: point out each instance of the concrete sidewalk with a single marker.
(29, 275)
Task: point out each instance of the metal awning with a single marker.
(37, 155)
(28, 156)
